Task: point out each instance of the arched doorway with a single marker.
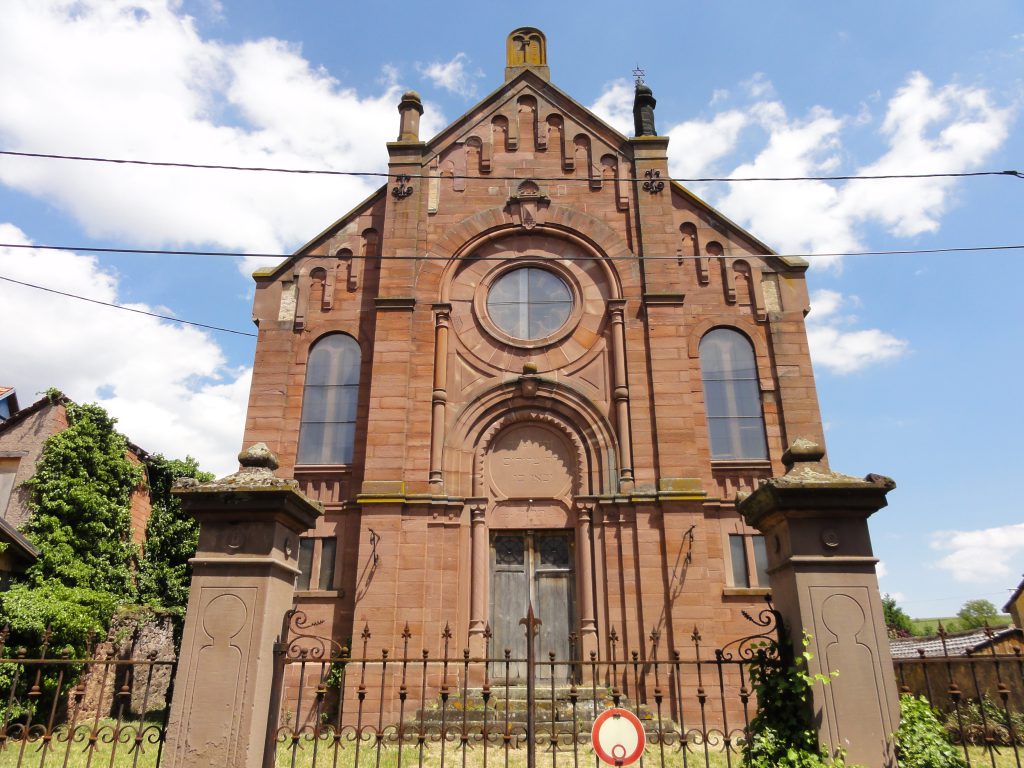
(530, 473)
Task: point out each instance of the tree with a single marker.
(81, 506)
(896, 619)
(88, 565)
(171, 537)
(977, 613)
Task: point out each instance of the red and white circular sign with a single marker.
(618, 737)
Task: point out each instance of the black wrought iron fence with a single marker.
(978, 696)
(409, 707)
(97, 710)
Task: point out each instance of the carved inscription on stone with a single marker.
(530, 461)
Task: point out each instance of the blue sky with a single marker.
(918, 358)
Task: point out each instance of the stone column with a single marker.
(478, 567)
(439, 398)
(243, 581)
(585, 564)
(620, 394)
(823, 583)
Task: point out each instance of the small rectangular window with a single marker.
(760, 560)
(317, 559)
(738, 553)
(8, 471)
(748, 560)
(328, 553)
(305, 564)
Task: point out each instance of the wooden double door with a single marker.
(537, 567)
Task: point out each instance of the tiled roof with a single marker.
(957, 643)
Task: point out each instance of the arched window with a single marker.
(329, 400)
(732, 396)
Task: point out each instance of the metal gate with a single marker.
(408, 707)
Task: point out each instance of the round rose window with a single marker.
(529, 303)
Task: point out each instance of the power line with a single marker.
(384, 174)
(430, 257)
(126, 309)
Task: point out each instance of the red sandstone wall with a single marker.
(421, 574)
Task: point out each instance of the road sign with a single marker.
(618, 737)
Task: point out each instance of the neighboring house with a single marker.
(529, 368)
(22, 437)
(8, 403)
(1015, 605)
(968, 643)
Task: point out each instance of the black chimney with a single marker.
(643, 111)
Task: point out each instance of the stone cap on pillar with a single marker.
(252, 492)
(811, 486)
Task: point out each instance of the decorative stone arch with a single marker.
(531, 398)
(749, 330)
(588, 232)
(521, 416)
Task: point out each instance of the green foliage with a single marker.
(897, 621)
(977, 613)
(997, 726)
(921, 740)
(71, 613)
(81, 506)
(781, 733)
(171, 537)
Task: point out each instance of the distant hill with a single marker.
(928, 627)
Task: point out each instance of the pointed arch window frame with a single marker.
(732, 397)
(330, 401)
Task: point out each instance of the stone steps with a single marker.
(559, 713)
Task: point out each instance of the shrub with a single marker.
(781, 733)
(921, 741)
(996, 724)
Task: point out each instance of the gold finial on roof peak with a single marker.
(526, 48)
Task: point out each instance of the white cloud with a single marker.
(759, 86)
(169, 385)
(982, 555)
(452, 75)
(697, 144)
(950, 129)
(880, 570)
(615, 105)
(147, 85)
(840, 350)
(925, 128)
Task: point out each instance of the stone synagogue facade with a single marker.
(530, 369)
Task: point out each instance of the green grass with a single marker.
(473, 757)
(928, 627)
(100, 754)
(83, 752)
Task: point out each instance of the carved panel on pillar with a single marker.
(846, 636)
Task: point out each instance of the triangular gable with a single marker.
(269, 273)
(767, 252)
(525, 83)
(529, 83)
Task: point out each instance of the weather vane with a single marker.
(638, 75)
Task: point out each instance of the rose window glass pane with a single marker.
(529, 303)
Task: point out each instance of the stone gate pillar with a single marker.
(243, 581)
(823, 583)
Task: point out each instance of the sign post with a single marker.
(618, 737)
